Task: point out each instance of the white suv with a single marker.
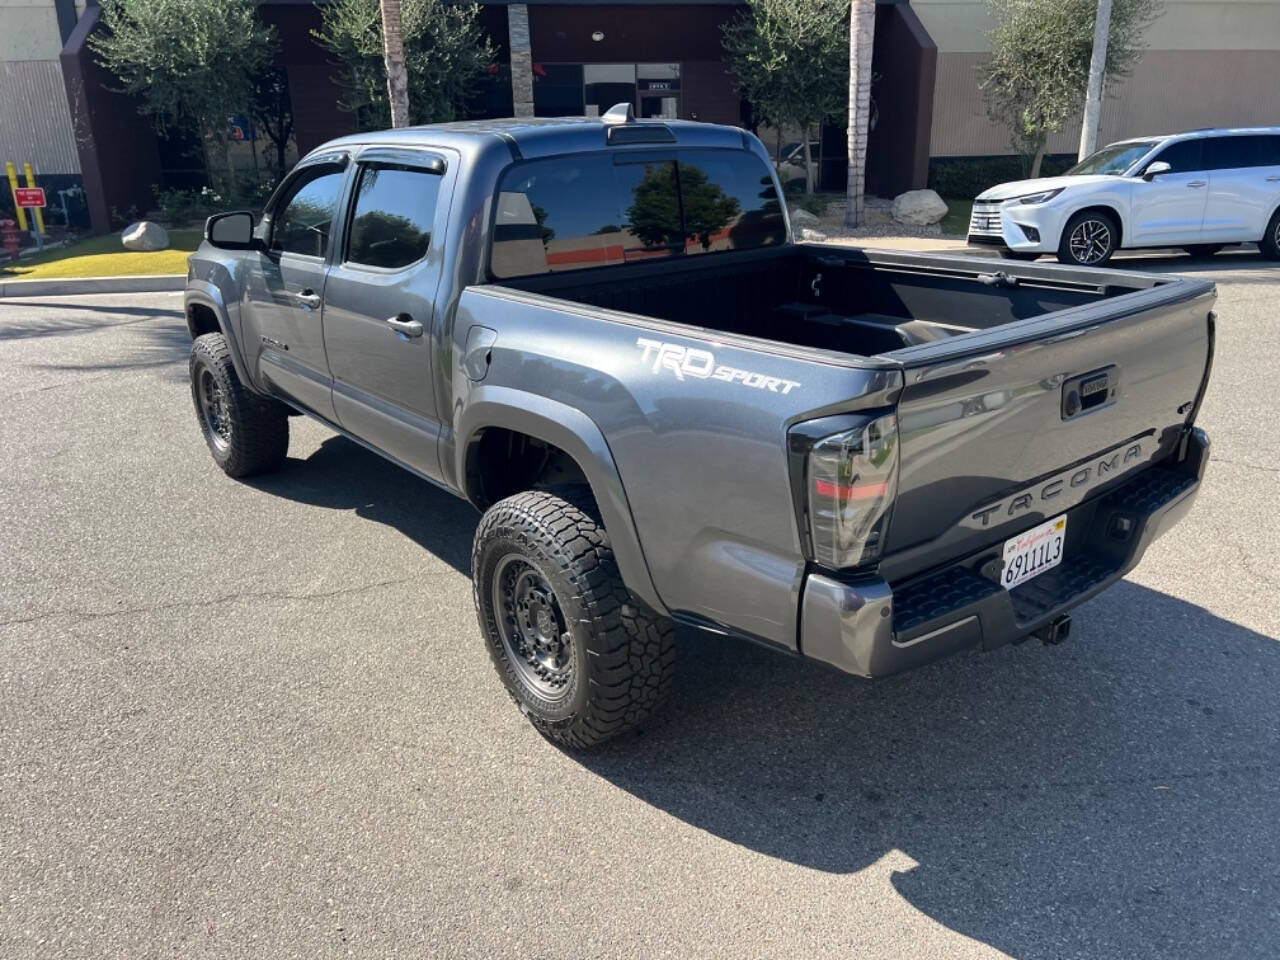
(1199, 191)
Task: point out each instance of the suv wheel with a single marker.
(1270, 242)
(246, 433)
(581, 657)
(1089, 239)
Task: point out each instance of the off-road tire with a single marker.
(1094, 217)
(1270, 242)
(257, 427)
(622, 655)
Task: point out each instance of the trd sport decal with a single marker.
(701, 365)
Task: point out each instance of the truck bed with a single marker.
(979, 359)
(834, 298)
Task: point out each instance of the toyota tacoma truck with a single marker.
(600, 332)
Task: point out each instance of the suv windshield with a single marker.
(1113, 160)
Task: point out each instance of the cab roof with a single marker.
(531, 137)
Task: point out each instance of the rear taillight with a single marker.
(844, 473)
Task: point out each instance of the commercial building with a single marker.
(1208, 63)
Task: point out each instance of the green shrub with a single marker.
(815, 203)
(966, 177)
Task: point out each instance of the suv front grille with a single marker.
(985, 219)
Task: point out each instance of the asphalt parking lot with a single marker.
(256, 720)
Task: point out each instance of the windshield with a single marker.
(1113, 160)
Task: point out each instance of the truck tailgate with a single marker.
(1005, 428)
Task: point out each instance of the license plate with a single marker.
(1032, 552)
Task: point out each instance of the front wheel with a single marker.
(582, 658)
(246, 433)
(1089, 239)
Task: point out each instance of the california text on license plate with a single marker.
(1033, 551)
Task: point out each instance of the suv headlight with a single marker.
(844, 475)
(1044, 196)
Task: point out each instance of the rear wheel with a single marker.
(1089, 239)
(582, 658)
(1270, 242)
(246, 433)
(1203, 249)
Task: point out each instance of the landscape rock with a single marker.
(802, 218)
(919, 208)
(145, 235)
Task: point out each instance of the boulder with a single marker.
(919, 208)
(801, 217)
(145, 235)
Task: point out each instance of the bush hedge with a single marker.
(966, 177)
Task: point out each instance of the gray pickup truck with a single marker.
(600, 332)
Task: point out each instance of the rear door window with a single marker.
(395, 207)
(1233, 153)
(602, 209)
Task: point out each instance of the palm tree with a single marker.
(862, 32)
(1097, 77)
(393, 52)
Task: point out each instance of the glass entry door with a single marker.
(658, 86)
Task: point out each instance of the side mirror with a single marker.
(1155, 169)
(231, 231)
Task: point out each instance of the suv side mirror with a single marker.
(231, 231)
(1155, 169)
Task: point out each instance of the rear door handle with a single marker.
(1195, 183)
(1273, 179)
(308, 299)
(404, 324)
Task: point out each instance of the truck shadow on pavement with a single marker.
(342, 475)
(1114, 797)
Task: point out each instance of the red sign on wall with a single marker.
(29, 196)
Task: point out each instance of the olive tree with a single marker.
(446, 55)
(1038, 74)
(190, 65)
(791, 58)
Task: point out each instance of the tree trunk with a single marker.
(1097, 73)
(393, 51)
(808, 163)
(1035, 162)
(862, 30)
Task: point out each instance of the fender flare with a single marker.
(577, 435)
(208, 295)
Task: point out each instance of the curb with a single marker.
(53, 288)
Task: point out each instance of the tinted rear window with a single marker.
(1249, 150)
(601, 209)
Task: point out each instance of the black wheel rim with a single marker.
(1090, 241)
(213, 407)
(532, 627)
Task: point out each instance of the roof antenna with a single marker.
(619, 113)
